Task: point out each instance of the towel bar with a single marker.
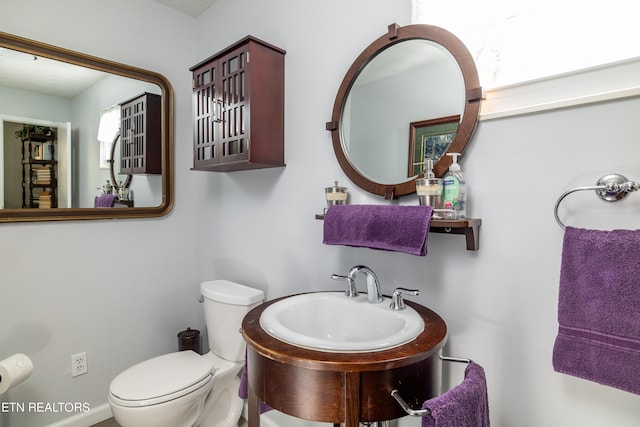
(610, 188)
(422, 412)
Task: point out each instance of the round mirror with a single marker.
(412, 95)
(117, 183)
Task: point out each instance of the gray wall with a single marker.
(119, 290)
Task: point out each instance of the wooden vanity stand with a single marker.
(341, 387)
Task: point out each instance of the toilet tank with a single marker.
(225, 305)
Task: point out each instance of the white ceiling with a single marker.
(42, 75)
(190, 7)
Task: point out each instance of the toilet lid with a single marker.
(161, 376)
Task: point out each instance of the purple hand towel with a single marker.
(392, 228)
(104, 201)
(599, 308)
(243, 389)
(465, 405)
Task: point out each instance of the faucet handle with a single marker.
(351, 285)
(397, 303)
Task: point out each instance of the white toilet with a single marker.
(185, 389)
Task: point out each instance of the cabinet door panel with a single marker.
(206, 115)
(233, 139)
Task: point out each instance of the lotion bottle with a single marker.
(454, 195)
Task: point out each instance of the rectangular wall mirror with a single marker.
(52, 164)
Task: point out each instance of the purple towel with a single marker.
(599, 308)
(465, 405)
(392, 228)
(104, 201)
(243, 389)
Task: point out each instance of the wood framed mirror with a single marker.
(412, 75)
(48, 98)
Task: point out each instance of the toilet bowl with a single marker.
(185, 389)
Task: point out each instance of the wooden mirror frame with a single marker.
(470, 115)
(59, 54)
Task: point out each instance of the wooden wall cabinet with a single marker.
(238, 107)
(141, 135)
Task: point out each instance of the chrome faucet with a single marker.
(374, 295)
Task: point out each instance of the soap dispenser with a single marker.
(455, 191)
(429, 188)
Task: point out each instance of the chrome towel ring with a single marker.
(610, 188)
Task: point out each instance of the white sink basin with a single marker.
(329, 321)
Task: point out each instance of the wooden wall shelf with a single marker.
(469, 227)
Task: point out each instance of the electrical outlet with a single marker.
(79, 364)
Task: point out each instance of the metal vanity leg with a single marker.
(254, 409)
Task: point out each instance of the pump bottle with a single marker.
(454, 195)
(429, 189)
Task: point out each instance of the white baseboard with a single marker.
(86, 419)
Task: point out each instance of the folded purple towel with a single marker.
(243, 389)
(104, 201)
(392, 228)
(599, 308)
(465, 405)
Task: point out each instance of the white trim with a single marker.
(93, 416)
(596, 84)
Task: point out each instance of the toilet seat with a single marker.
(161, 379)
